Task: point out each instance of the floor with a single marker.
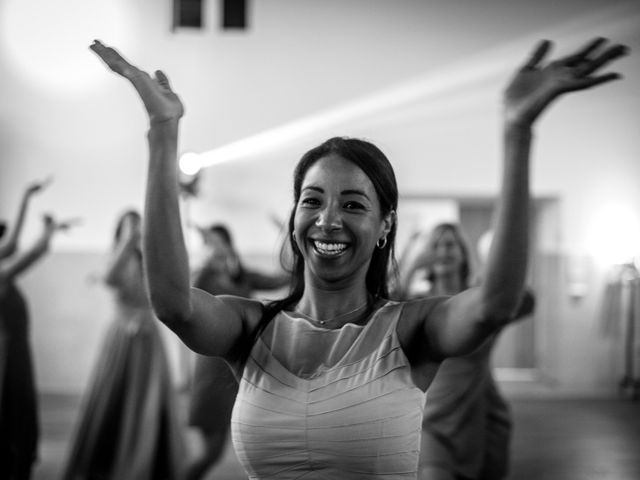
(576, 439)
(554, 438)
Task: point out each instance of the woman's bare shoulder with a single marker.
(249, 309)
(414, 317)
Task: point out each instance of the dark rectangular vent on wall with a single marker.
(187, 13)
(234, 14)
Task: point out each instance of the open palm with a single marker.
(161, 103)
(38, 186)
(534, 86)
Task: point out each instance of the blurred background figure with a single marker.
(18, 400)
(466, 429)
(214, 387)
(436, 262)
(128, 427)
(620, 318)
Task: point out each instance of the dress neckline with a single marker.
(356, 332)
(363, 321)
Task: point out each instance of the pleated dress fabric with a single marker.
(317, 403)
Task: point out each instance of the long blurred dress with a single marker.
(18, 406)
(466, 428)
(129, 428)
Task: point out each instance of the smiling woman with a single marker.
(346, 195)
(343, 398)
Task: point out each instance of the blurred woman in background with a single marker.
(128, 428)
(466, 428)
(18, 400)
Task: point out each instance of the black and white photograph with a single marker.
(319, 240)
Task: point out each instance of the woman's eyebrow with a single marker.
(350, 191)
(355, 192)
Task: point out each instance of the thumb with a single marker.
(162, 80)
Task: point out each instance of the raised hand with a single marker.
(37, 186)
(535, 86)
(161, 103)
(52, 225)
(67, 224)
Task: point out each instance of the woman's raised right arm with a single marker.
(207, 324)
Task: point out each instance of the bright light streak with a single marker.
(449, 80)
(48, 40)
(425, 87)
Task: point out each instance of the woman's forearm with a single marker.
(10, 246)
(21, 262)
(506, 266)
(165, 254)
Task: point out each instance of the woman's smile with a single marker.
(338, 218)
(329, 249)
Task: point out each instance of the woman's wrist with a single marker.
(164, 126)
(518, 128)
(163, 134)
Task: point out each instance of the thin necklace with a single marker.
(326, 320)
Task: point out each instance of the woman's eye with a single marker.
(310, 202)
(353, 205)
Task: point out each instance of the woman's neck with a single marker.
(334, 307)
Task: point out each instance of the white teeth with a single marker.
(330, 248)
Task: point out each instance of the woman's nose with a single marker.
(328, 219)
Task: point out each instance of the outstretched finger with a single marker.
(67, 224)
(538, 54)
(44, 183)
(588, 82)
(605, 57)
(40, 185)
(112, 58)
(47, 181)
(104, 52)
(584, 52)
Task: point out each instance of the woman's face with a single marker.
(447, 254)
(337, 222)
(134, 222)
(131, 225)
(218, 247)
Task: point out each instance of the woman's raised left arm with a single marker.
(461, 323)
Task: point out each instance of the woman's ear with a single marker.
(389, 221)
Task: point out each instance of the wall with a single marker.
(421, 79)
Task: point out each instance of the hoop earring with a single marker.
(382, 244)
